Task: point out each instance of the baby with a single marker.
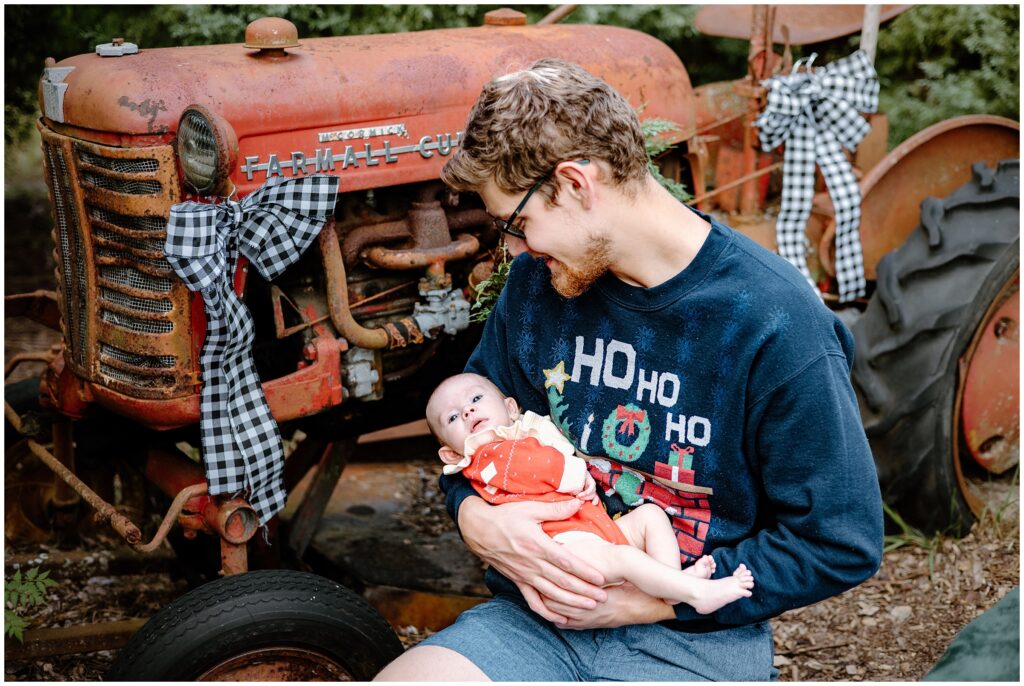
(509, 457)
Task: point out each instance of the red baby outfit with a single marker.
(531, 460)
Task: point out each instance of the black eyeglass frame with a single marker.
(506, 225)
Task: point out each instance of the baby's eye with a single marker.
(452, 417)
(478, 397)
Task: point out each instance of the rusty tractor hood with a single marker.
(351, 92)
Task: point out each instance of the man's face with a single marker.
(559, 235)
(465, 405)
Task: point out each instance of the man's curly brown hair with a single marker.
(526, 122)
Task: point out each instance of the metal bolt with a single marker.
(1003, 325)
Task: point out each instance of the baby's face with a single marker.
(468, 404)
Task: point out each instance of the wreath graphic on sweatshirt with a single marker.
(627, 421)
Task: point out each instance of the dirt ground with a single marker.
(894, 627)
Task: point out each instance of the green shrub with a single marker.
(939, 61)
(21, 594)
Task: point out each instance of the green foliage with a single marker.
(707, 59)
(485, 294)
(656, 143)
(908, 535)
(939, 61)
(21, 594)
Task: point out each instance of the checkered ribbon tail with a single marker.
(816, 115)
(271, 227)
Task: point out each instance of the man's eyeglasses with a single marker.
(508, 225)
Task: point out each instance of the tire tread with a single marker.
(906, 339)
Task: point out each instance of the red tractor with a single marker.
(354, 335)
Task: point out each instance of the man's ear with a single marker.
(512, 407)
(578, 179)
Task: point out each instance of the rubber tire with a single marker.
(268, 608)
(931, 296)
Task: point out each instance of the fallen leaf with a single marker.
(781, 661)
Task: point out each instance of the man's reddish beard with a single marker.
(570, 282)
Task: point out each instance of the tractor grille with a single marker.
(70, 268)
(126, 316)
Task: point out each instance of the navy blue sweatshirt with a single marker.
(722, 395)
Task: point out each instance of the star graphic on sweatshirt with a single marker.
(556, 377)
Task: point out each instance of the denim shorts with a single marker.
(508, 642)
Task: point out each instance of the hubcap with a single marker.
(987, 408)
(277, 663)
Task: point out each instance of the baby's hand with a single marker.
(589, 490)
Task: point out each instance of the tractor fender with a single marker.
(931, 163)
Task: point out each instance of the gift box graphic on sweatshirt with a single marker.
(625, 452)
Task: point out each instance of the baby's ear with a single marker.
(448, 456)
(512, 407)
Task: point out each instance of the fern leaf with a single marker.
(14, 626)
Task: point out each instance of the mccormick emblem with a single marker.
(325, 159)
(369, 132)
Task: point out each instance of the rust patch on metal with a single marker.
(104, 510)
(148, 109)
(271, 33)
(73, 640)
(806, 23)
(277, 663)
(465, 245)
(433, 611)
(933, 162)
(126, 316)
(991, 393)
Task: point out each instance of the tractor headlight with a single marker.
(206, 147)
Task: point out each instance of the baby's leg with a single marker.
(625, 563)
(648, 528)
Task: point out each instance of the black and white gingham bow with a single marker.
(271, 227)
(816, 116)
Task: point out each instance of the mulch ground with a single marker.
(894, 627)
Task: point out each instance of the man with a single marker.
(697, 370)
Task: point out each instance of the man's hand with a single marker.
(626, 604)
(509, 537)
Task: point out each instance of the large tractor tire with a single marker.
(934, 295)
(272, 625)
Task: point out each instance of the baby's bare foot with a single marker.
(703, 568)
(744, 576)
(719, 592)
